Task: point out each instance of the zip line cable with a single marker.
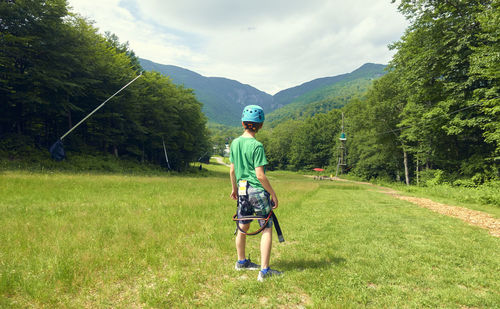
(57, 150)
(95, 110)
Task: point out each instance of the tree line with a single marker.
(435, 115)
(56, 68)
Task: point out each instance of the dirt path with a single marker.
(472, 217)
(220, 161)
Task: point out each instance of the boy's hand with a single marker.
(233, 195)
(274, 201)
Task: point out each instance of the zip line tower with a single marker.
(342, 153)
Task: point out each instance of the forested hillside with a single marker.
(56, 68)
(325, 94)
(433, 118)
(223, 99)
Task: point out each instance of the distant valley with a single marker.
(223, 99)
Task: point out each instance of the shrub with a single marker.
(429, 178)
(464, 183)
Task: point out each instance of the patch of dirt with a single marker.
(472, 217)
(298, 300)
(263, 300)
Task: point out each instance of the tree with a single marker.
(440, 122)
(278, 143)
(34, 62)
(57, 68)
(314, 140)
(485, 72)
(375, 146)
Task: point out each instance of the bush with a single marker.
(431, 178)
(40, 161)
(490, 193)
(464, 183)
(462, 190)
(16, 146)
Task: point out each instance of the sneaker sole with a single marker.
(262, 279)
(253, 268)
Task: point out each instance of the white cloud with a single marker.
(271, 45)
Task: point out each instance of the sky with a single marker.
(271, 45)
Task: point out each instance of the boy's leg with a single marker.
(241, 241)
(266, 242)
(265, 252)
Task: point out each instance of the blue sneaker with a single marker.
(264, 274)
(246, 265)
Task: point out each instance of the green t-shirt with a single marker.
(246, 154)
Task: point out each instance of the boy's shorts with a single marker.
(257, 202)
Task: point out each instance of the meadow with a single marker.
(95, 240)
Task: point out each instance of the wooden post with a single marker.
(405, 161)
(416, 172)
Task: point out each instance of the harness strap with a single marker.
(277, 227)
(271, 215)
(236, 219)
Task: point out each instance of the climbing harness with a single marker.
(247, 218)
(247, 209)
(271, 216)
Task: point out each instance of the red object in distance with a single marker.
(317, 169)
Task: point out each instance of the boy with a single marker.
(247, 172)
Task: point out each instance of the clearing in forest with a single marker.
(86, 240)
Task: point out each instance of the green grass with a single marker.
(39, 161)
(90, 240)
(484, 198)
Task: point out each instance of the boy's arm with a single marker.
(261, 176)
(232, 174)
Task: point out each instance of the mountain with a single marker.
(223, 99)
(291, 94)
(324, 94)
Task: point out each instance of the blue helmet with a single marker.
(253, 113)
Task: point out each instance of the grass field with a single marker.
(485, 198)
(89, 240)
